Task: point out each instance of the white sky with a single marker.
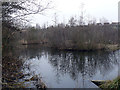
(67, 8)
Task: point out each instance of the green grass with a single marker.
(114, 84)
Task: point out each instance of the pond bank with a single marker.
(108, 84)
(114, 84)
(108, 47)
(12, 77)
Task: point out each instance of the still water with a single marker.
(69, 69)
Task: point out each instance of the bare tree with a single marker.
(31, 8)
(37, 26)
(72, 21)
(81, 17)
(15, 13)
(103, 20)
(55, 19)
(91, 20)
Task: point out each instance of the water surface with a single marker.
(69, 69)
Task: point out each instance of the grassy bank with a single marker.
(114, 84)
(112, 47)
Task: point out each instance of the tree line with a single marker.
(74, 35)
(88, 37)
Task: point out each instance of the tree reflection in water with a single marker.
(85, 63)
(74, 63)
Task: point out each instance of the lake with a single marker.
(68, 69)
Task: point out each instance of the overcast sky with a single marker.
(64, 9)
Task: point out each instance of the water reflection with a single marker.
(74, 64)
(85, 63)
